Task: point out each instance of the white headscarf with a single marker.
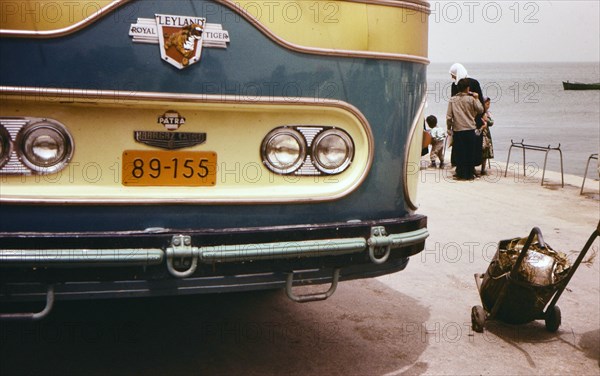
(459, 71)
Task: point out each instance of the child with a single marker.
(487, 147)
(438, 136)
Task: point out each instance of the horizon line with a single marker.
(517, 61)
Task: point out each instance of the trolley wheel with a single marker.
(477, 318)
(553, 319)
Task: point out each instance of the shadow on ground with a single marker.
(521, 337)
(365, 328)
(590, 343)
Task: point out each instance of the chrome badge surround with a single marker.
(169, 140)
(180, 38)
(14, 162)
(172, 120)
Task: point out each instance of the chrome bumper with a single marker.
(379, 246)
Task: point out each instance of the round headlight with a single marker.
(283, 150)
(333, 151)
(4, 146)
(45, 147)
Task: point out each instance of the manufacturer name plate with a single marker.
(170, 140)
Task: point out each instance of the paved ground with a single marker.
(410, 323)
(466, 220)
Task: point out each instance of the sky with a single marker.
(514, 31)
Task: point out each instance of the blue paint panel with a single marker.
(103, 56)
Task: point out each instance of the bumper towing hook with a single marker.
(181, 247)
(379, 244)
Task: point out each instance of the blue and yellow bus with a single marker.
(154, 148)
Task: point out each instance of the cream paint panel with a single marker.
(397, 30)
(103, 129)
(49, 15)
(342, 25)
(321, 24)
(413, 160)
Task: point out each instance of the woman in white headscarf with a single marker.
(459, 72)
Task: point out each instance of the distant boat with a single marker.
(580, 86)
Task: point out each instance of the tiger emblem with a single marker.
(184, 41)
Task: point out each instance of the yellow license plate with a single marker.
(146, 168)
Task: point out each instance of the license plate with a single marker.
(145, 168)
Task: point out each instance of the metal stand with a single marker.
(593, 156)
(522, 145)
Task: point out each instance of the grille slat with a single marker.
(307, 168)
(14, 166)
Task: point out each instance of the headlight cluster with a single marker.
(42, 146)
(305, 150)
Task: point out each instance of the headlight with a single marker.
(45, 147)
(283, 150)
(332, 151)
(4, 146)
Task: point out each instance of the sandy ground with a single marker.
(466, 221)
(410, 323)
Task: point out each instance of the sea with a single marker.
(529, 105)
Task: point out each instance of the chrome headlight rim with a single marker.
(284, 131)
(5, 146)
(349, 151)
(54, 126)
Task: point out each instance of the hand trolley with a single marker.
(509, 298)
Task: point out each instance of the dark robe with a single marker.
(462, 153)
(478, 141)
